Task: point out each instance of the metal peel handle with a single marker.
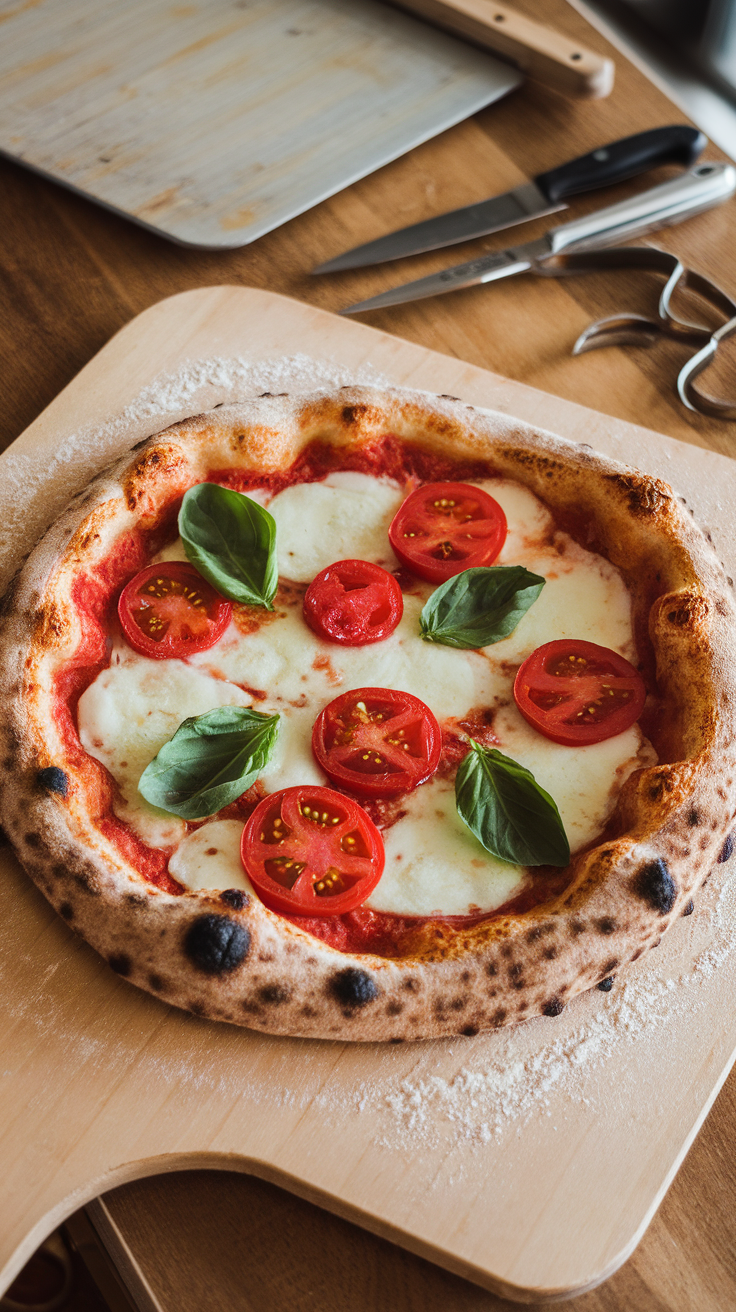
(699, 189)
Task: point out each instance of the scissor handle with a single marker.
(702, 402)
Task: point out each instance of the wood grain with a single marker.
(543, 54)
(216, 122)
(73, 274)
(298, 1256)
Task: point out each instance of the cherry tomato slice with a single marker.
(577, 693)
(353, 602)
(312, 852)
(444, 528)
(377, 742)
(170, 611)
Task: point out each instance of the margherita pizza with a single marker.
(369, 715)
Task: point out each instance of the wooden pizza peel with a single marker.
(529, 1160)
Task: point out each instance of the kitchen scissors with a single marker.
(636, 329)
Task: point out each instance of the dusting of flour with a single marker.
(43, 472)
(463, 1092)
(520, 1068)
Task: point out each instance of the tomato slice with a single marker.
(577, 693)
(377, 742)
(444, 528)
(353, 602)
(312, 852)
(170, 611)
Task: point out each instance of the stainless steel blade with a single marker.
(478, 220)
(702, 187)
(487, 268)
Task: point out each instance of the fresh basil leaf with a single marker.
(506, 809)
(210, 761)
(479, 606)
(231, 540)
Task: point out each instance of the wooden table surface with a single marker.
(72, 274)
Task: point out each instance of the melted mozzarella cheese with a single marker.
(433, 863)
(210, 858)
(289, 663)
(127, 715)
(584, 781)
(345, 517)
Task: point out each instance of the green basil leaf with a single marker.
(210, 761)
(506, 809)
(231, 540)
(479, 606)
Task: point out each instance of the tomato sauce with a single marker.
(94, 597)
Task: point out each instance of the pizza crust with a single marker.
(226, 956)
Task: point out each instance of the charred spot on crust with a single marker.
(66, 911)
(53, 780)
(410, 984)
(550, 953)
(120, 963)
(688, 910)
(353, 987)
(606, 985)
(654, 883)
(661, 784)
(491, 969)
(216, 944)
(693, 816)
(157, 982)
(726, 851)
(87, 881)
(554, 1007)
(236, 898)
(32, 840)
(394, 1008)
(274, 994)
(536, 932)
(690, 610)
(499, 1016)
(470, 1031)
(644, 495)
(606, 925)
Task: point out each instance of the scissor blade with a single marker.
(487, 268)
(486, 216)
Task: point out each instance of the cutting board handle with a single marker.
(546, 56)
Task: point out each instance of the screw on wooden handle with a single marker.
(543, 54)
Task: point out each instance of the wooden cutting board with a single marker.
(528, 1160)
(214, 122)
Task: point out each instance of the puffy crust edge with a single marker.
(243, 964)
